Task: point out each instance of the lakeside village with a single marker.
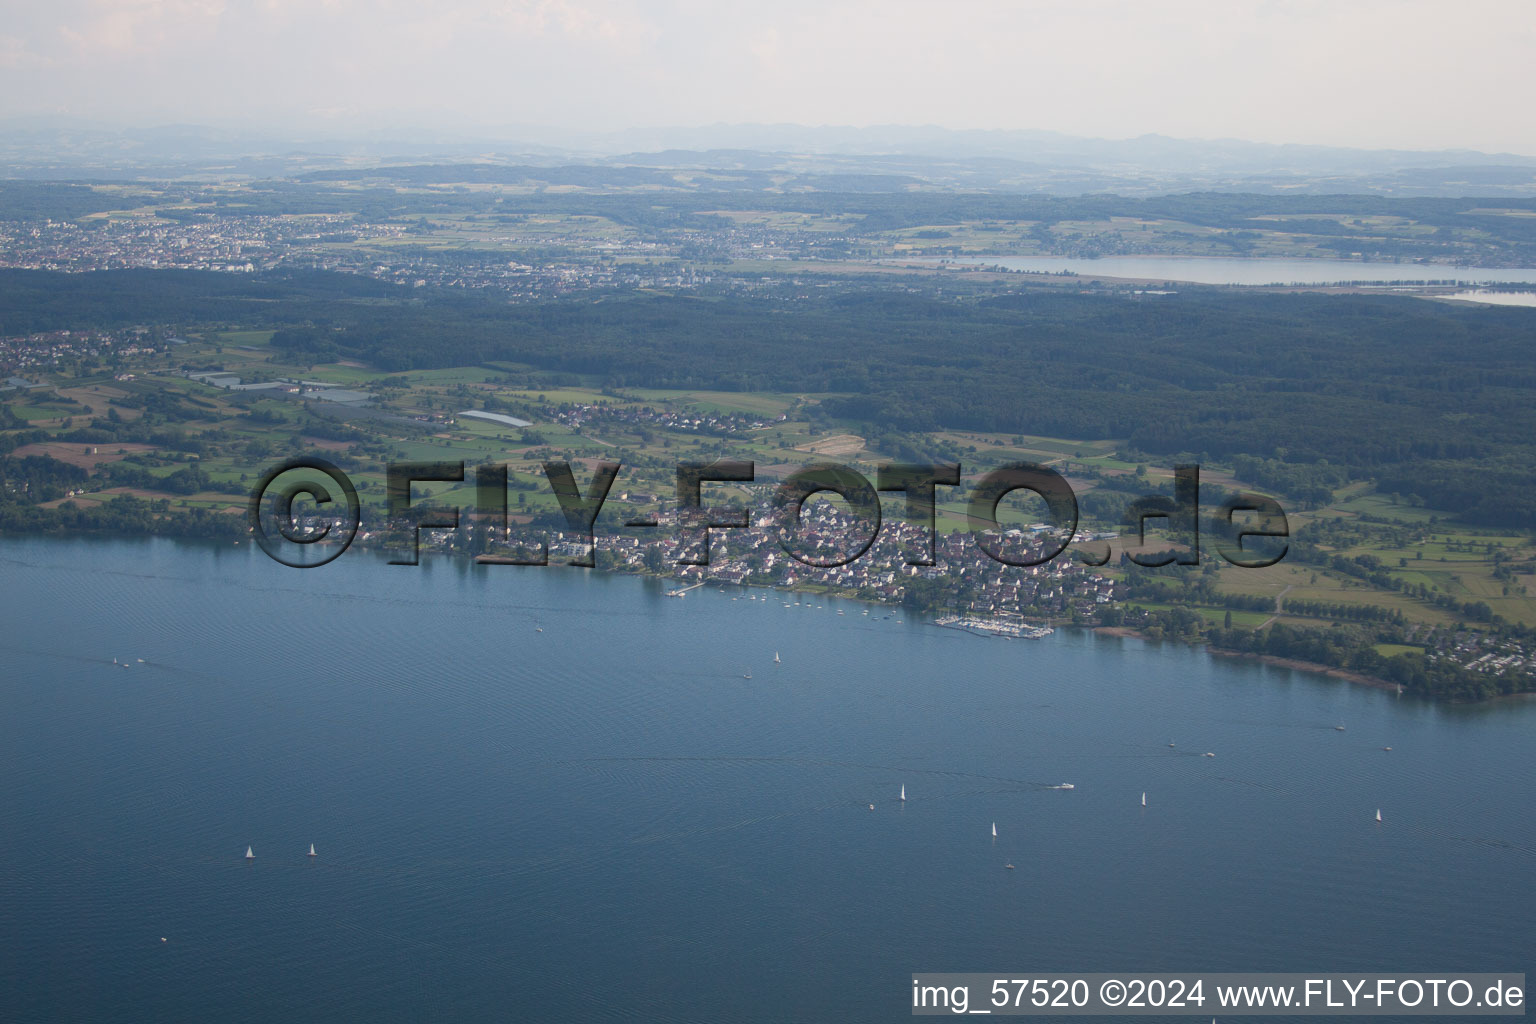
(967, 589)
(980, 594)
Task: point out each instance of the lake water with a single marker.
(1252, 271)
(1496, 298)
(605, 821)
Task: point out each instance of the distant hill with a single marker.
(882, 158)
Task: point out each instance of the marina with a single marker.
(995, 627)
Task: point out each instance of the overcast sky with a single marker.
(1412, 74)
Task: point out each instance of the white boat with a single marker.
(311, 849)
(903, 792)
(994, 830)
(1143, 799)
(776, 658)
(1066, 785)
(1339, 727)
(1378, 815)
(250, 854)
(1209, 754)
(871, 806)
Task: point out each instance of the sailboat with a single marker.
(311, 849)
(250, 854)
(776, 658)
(903, 792)
(1378, 815)
(994, 830)
(1143, 799)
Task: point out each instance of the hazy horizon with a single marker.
(1379, 74)
(651, 138)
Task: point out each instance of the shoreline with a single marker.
(895, 607)
(1297, 664)
(1308, 666)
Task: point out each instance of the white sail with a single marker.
(1143, 799)
(994, 830)
(250, 854)
(1378, 814)
(903, 792)
(311, 849)
(776, 657)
